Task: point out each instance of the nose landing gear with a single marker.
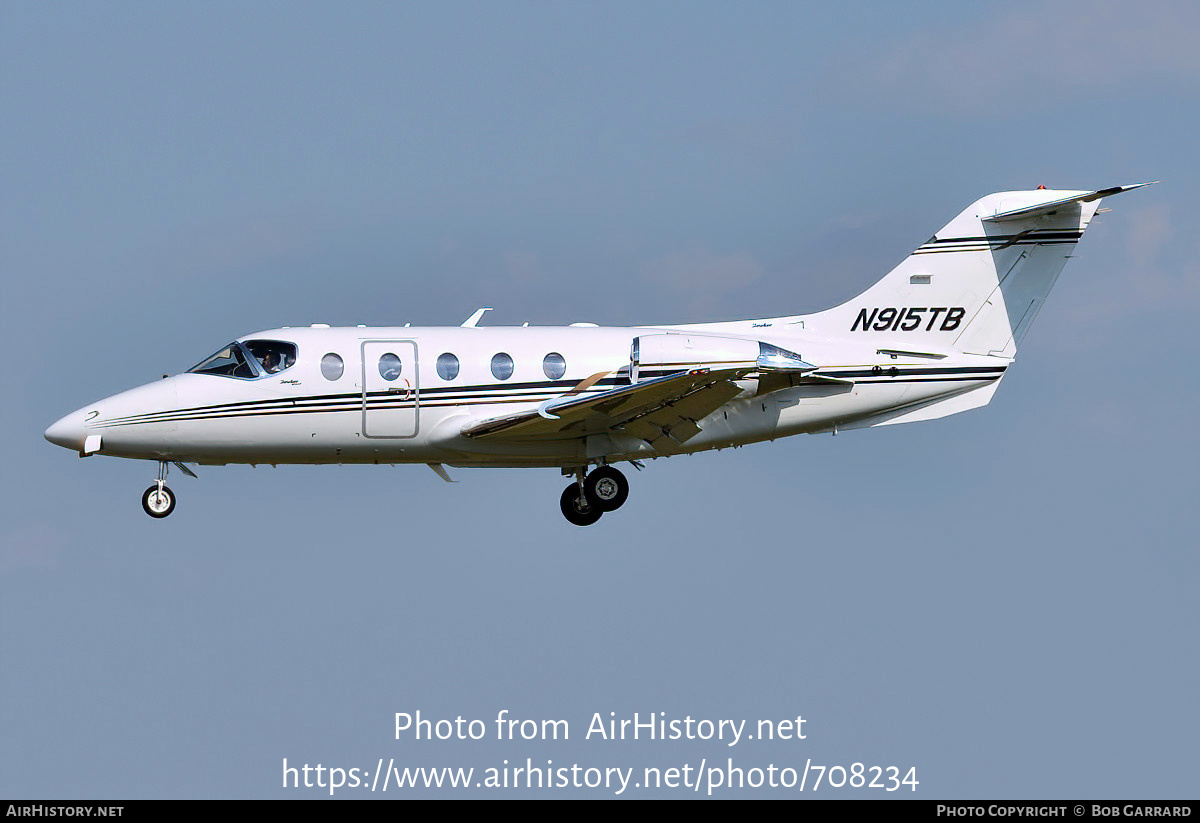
(159, 500)
(604, 490)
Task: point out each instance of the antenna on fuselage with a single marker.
(473, 320)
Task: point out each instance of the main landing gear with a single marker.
(604, 490)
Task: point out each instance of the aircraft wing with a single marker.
(664, 407)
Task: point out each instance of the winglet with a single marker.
(470, 322)
(1055, 205)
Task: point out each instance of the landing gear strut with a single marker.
(604, 490)
(159, 500)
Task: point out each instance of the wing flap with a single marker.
(669, 426)
(649, 410)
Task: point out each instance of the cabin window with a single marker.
(447, 366)
(554, 365)
(502, 366)
(389, 366)
(230, 361)
(332, 366)
(272, 355)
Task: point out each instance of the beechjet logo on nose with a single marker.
(906, 319)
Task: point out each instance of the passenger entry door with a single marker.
(391, 392)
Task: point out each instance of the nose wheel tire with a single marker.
(158, 503)
(606, 488)
(577, 509)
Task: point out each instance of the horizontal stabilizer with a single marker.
(1055, 205)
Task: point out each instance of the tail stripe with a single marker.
(1001, 238)
(1000, 241)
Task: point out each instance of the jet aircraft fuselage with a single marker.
(933, 337)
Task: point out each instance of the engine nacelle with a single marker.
(676, 352)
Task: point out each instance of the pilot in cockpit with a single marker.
(237, 359)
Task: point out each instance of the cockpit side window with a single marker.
(272, 355)
(228, 362)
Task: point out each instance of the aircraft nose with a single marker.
(68, 432)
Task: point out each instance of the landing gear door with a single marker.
(391, 392)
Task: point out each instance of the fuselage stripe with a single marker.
(381, 401)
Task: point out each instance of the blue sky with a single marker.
(1002, 599)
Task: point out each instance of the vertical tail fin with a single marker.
(977, 284)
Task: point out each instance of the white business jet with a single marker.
(932, 338)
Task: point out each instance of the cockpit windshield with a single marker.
(254, 358)
(273, 355)
(228, 362)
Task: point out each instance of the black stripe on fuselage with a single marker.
(356, 398)
(457, 394)
(908, 371)
(380, 401)
(376, 400)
